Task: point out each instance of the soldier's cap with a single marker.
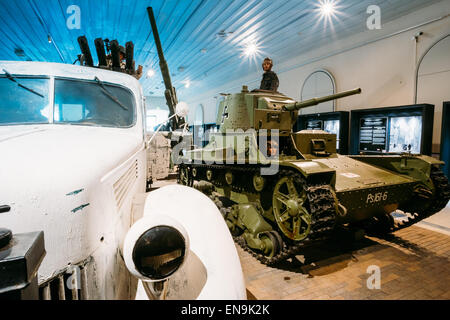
(122, 49)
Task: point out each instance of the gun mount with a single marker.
(110, 58)
(170, 92)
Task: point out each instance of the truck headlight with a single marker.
(159, 252)
(155, 248)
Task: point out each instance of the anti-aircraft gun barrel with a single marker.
(315, 101)
(170, 93)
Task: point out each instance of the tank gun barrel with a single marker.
(315, 101)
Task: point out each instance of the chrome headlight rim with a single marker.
(143, 226)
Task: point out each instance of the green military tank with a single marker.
(280, 191)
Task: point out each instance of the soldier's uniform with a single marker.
(123, 64)
(269, 81)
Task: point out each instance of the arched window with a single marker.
(198, 121)
(317, 84)
(198, 125)
(432, 82)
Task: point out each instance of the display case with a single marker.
(333, 122)
(201, 133)
(392, 130)
(445, 138)
(209, 128)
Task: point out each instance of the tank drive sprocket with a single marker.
(185, 176)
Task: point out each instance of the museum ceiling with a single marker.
(206, 42)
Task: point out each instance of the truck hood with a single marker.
(61, 152)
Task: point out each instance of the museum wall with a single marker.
(382, 62)
(156, 111)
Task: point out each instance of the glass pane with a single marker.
(87, 103)
(333, 126)
(405, 134)
(19, 105)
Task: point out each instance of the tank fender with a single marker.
(430, 160)
(417, 167)
(314, 171)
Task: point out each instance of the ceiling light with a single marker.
(224, 34)
(251, 50)
(327, 8)
(49, 38)
(187, 84)
(150, 73)
(328, 12)
(19, 52)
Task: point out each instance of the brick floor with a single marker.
(413, 263)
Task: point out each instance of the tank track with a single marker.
(321, 205)
(416, 214)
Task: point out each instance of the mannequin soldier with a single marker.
(123, 63)
(270, 79)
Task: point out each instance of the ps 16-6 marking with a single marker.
(377, 197)
(247, 309)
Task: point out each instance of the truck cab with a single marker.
(73, 164)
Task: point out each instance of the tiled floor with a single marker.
(413, 264)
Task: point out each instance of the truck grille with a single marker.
(69, 284)
(123, 185)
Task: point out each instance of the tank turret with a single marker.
(262, 109)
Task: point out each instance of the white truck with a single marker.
(73, 164)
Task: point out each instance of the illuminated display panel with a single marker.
(405, 134)
(314, 125)
(333, 126)
(393, 130)
(372, 136)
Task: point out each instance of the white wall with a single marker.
(433, 85)
(382, 62)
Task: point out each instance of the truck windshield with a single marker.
(25, 100)
(93, 103)
(20, 105)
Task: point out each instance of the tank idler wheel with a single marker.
(271, 243)
(289, 208)
(229, 178)
(185, 176)
(258, 182)
(209, 175)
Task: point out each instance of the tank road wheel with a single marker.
(271, 243)
(288, 202)
(185, 176)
